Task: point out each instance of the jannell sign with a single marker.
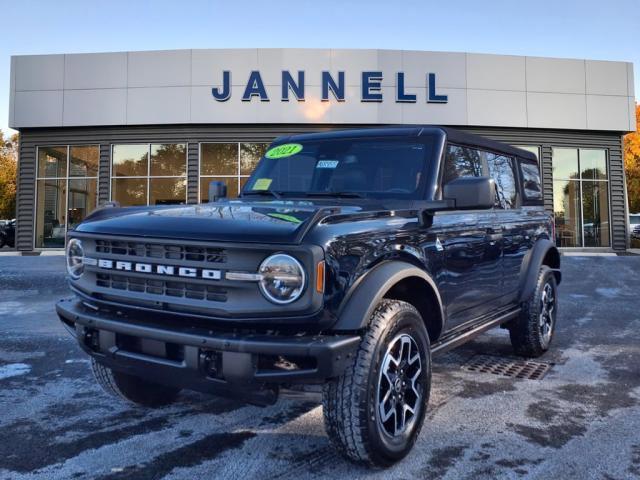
(371, 88)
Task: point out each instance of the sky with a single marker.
(593, 29)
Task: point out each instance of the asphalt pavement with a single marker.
(582, 420)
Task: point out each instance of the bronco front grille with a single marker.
(168, 288)
(162, 251)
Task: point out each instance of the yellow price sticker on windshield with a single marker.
(262, 184)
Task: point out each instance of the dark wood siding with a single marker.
(193, 152)
(193, 134)
(104, 171)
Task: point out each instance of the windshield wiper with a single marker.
(335, 194)
(264, 192)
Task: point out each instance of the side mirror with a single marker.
(471, 192)
(217, 190)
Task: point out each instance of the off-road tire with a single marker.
(132, 389)
(526, 336)
(350, 404)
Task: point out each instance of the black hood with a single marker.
(227, 221)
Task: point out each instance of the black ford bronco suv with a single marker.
(349, 260)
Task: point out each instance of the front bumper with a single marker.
(197, 359)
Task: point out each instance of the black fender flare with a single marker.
(531, 266)
(359, 303)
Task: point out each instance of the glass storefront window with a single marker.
(566, 210)
(565, 164)
(168, 159)
(84, 161)
(129, 192)
(66, 190)
(51, 220)
(581, 197)
(231, 182)
(228, 162)
(52, 162)
(219, 159)
(250, 154)
(149, 174)
(130, 160)
(167, 191)
(83, 196)
(593, 164)
(595, 208)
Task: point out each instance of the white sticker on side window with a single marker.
(327, 164)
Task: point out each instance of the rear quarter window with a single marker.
(531, 184)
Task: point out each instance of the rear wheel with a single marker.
(133, 389)
(373, 413)
(531, 333)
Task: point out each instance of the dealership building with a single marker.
(156, 127)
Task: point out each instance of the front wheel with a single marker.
(373, 413)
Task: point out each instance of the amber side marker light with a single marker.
(320, 277)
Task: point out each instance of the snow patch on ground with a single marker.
(14, 370)
(608, 292)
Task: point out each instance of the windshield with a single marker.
(358, 167)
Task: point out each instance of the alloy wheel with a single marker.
(399, 392)
(547, 313)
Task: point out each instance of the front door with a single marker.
(472, 264)
(472, 246)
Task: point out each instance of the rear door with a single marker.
(510, 222)
(472, 250)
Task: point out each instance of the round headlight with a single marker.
(282, 278)
(75, 258)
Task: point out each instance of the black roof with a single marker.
(453, 135)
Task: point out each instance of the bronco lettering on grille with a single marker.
(188, 272)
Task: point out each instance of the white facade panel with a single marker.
(496, 72)
(556, 110)
(207, 65)
(555, 75)
(91, 71)
(606, 78)
(274, 111)
(168, 68)
(175, 87)
(349, 61)
(604, 110)
(352, 110)
(272, 61)
(450, 67)
(105, 106)
(158, 105)
(204, 110)
(422, 112)
(39, 72)
(632, 114)
(38, 109)
(497, 108)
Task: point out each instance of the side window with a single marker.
(531, 181)
(461, 162)
(501, 170)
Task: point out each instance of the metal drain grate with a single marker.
(508, 367)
